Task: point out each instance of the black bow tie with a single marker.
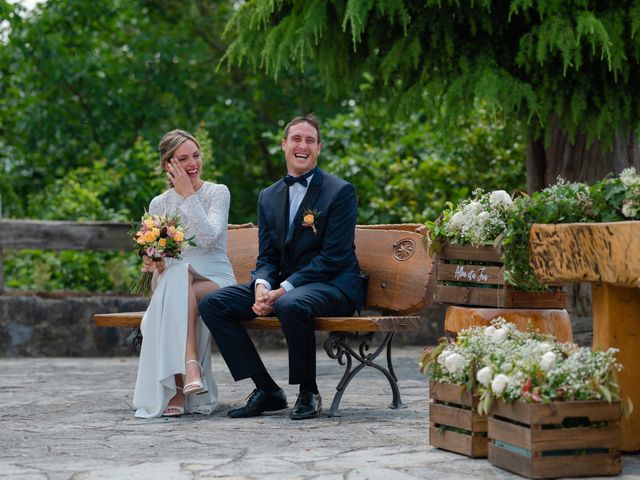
(302, 179)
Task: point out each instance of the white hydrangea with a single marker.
(547, 361)
(542, 348)
(500, 198)
(500, 335)
(474, 208)
(629, 178)
(484, 376)
(499, 383)
(454, 362)
(456, 220)
(443, 356)
(490, 331)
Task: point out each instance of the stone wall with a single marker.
(62, 325)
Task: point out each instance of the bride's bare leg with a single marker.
(197, 290)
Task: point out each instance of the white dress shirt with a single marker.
(297, 191)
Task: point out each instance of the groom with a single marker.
(306, 268)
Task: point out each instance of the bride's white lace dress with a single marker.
(164, 325)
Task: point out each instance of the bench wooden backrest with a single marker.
(395, 260)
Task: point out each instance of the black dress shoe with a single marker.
(260, 401)
(308, 405)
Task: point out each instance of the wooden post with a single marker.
(1, 263)
(608, 256)
(615, 324)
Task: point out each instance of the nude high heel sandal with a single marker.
(173, 410)
(196, 387)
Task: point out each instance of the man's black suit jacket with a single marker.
(301, 256)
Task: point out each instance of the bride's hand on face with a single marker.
(179, 178)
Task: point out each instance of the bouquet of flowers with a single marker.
(158, 237)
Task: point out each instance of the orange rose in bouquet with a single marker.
(158, 237)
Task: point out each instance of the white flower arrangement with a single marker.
(457, 362)
(478, 220)
(499, 361)
(630, 178)
(631, 202)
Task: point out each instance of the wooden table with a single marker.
(608, 256)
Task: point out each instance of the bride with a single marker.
(174, 373)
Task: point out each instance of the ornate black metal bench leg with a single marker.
(134, 340)
(339, 346)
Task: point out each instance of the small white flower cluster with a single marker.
(478, 220)
(630, 178)
(631, 181)
(513, 365)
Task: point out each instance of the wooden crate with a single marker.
(558, 439)
(453, 407)
(468, 275)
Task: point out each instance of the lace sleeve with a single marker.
(207, 220)
(156, 207)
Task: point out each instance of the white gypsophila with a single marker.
(629, 178)
(484, 376)
(547, 361)
(454, 363)
(500, 198)
(499, 383)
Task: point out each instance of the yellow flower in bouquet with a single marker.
(158, 237)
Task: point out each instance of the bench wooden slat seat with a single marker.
(328, 324)
(398, 266)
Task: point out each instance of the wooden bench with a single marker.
(394, 258)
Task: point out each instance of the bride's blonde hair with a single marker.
(170, 143)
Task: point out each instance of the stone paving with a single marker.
(70, 418)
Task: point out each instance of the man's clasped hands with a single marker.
(265, 299)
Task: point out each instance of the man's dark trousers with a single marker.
(224, 309)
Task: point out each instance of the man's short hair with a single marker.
(310, 118)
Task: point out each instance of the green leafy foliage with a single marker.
(575, 60)
(405, 169)
(90, 87)
(609, 200)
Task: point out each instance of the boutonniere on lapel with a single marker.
(309, 219)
